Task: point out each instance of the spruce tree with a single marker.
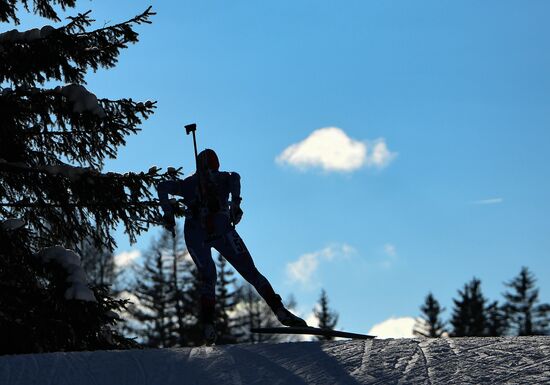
(53, 143)
(327, 318)
(155, 310)
(253, 312)
(183, 287)
(98, 264)
(226, 300)
(496, 321)
(469, 318)
(431, 324)
(191, 296)
(527, 317)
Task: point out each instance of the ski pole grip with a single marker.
(190, 128)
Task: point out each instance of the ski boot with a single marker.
(275, 302)
(288, 319)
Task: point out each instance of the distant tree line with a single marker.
(165, 296)
(520, 312)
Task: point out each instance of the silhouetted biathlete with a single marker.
(210, 222)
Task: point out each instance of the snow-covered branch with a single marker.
(14, 36)
(76, 276)
(71, 172)
(81, 99)
(11, 224)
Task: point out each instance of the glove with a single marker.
(169, 222)
(235, 211)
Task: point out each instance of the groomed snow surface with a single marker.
(509, 360)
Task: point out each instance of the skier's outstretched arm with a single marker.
(172, 187)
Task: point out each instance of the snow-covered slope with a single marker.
(520, 360)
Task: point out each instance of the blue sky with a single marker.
(441, 108)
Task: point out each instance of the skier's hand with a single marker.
(169, 222)
(236, 211)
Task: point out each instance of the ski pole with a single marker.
(192, 128)
(188, 129)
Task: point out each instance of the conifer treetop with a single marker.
(54, 141)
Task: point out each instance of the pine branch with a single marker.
(142, 18)
(77, 51)
(8, 9)
(98, 137)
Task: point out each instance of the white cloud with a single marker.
(490, 201)
(394, 328)
(126, 258)
(332, 150)
(380, 156)
(303, 269)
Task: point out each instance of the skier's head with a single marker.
(208, 161)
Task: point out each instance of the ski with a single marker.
(311, 331)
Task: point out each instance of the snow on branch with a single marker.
(76, 276)
(76, 50)
(14, 36)
(11, 224)
(81, 99)
(74, 173)
(71, 172)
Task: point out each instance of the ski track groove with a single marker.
(523, 369)
(367, 346)
(505, 360)
(425, 360)
(478, 347)
(411, 363)
(455, 351)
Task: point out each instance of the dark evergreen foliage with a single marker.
(98, 264)
(53, 142)
(166, 287)
(44, 8)
(34, 314)
(431, 325)
(327, 317)
(155, 310)
(497, 321)
(526, 316)
(469, 318)
(43, 129)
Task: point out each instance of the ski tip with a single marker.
(311, 331)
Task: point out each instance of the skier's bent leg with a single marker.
(207, 284)
(234, 250)
(202, 257)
